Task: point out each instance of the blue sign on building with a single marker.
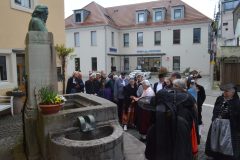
(113, 50)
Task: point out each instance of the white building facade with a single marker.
(143, 42)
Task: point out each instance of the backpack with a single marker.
(166, 137)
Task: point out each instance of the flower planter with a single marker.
(50, 108)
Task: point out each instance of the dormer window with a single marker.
(177, 12)
(81, 15)
(141, 16)
(159, 14)
(78, 17)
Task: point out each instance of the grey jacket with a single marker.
(119, 87)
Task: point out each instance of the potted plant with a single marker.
(49, 101)
(186, 71)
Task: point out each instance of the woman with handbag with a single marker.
(223, 141)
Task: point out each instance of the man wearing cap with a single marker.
(223, 141)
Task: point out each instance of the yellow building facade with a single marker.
(15, 16)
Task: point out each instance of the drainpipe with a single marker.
(106, 56)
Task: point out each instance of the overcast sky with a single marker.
(204, 6)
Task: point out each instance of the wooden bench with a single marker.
(6, 102)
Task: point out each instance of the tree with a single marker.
(63, 52)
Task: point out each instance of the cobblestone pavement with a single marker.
(11, 137)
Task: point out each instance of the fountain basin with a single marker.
(103, 143)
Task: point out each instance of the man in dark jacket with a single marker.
(90, 85)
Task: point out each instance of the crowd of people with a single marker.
(187, 97)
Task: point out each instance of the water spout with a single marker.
(87, 123)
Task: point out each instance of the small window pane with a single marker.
(126, 40)
(24, 3)
(76, 39)
(77, 64)
(94, 63)
(140, 17)
(157, 37)
(158, 16)
(140, 39)
(93, 38)
(78, 17)
(126, 64)
(176, 63)
(3, 68)
(196, 35)
(177, 13)
(176, 36)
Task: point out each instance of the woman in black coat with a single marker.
(227, 106)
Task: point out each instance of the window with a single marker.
(3, 68)
(176, 63)
(93, 38)
(230, 5)
(225, 24)
(141, 17)
(196, 35)
(94, 63)
(177, 13)
(157, 37)
(76, 39)
(77, 64)
(112, 36)
(23, 3)
(158, 16)
(78, 17)
(126, 64)
(176, 36)
(59, 74)
(140, 39)
(126, 39)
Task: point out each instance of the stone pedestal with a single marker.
(41, 71)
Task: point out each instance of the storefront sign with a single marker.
(113, 50)
(148, 51)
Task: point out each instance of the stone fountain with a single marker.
(62, 136)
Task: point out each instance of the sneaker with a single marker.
(125, 127)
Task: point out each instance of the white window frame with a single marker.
(81, 15)
(138, 17)
(194, 36)
(139, 39)
(181, 8)
(155, 38)
(16, 6)
(126, 40)
(155, 10)
(93, 38)
(76, 39)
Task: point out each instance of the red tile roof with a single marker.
(124, 16)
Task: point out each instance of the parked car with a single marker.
(146, 74)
